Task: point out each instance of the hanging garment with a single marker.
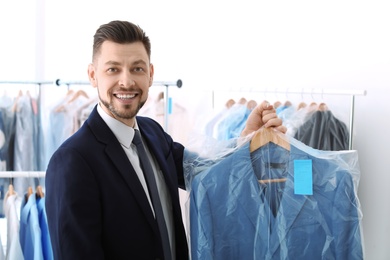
(24, 143)
(14, 250)
(2, 256)
(30, 232)
(231, 215)
(324, 131)
(7, 126)
(45, 237)
(232, 123)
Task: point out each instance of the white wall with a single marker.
(235, 46)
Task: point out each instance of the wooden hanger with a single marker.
(301, 105)
(267, 181)
(264, 136)
(230, 103)
(242, 101)
(11, 190)
(69, 95)
(251, 104)
(29, 192)
(277, 104)
(78, 94)
(322, 107)
(15, 105)
(39, 192)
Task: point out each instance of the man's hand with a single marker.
(263, 115)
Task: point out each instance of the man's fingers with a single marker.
(273, 122)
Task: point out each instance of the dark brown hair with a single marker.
(120, 32)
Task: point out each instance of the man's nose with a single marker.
(126, 80)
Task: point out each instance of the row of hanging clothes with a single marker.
(27, 234)
(274, 195)
(229, 121)
(311, 123)
(34, 123)
(19, 139)
(64, 117)
(30, 131)
(19, 132)
(314, 124)
(29, 137)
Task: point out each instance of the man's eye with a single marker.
(138, 69)
(112, 70)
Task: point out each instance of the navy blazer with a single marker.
(96, 206)
(230, 212)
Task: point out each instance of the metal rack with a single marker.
(352, 93)
(59, 82)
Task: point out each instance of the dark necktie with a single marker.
(153, 192)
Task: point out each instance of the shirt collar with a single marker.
(122, 132)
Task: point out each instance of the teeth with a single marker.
(125, 96)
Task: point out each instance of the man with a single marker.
(99, 203)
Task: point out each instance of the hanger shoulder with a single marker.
(266, 135)
(11, 190)
(77, 95)
(266, 181)
(39, 192)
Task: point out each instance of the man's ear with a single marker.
(92, 75)
(151, 69)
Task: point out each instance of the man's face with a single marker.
(122, 74)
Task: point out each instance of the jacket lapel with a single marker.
(118, 157)
(290, 207)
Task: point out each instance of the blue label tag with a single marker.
(169, 106)
(303, 177)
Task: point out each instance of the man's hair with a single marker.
(119, 32)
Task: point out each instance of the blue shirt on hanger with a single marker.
(45, 239)
(30, 231)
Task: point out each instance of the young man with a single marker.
(99, 204)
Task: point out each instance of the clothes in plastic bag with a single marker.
(234, 216)
(324, 131)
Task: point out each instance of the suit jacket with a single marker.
(324, 131)
(230, 216)
(96, 206)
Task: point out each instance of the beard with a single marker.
(125, 112)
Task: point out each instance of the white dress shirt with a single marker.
(14, 249)
(125, 135)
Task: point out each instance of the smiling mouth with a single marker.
(125, 96)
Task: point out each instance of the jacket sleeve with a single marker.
(346, 219)
(73, 208)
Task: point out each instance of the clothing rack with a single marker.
(167, 84)
(59, 82)
(24, 174)
(177, 83)
(315, 91)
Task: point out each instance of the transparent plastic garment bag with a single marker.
(273, 197)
